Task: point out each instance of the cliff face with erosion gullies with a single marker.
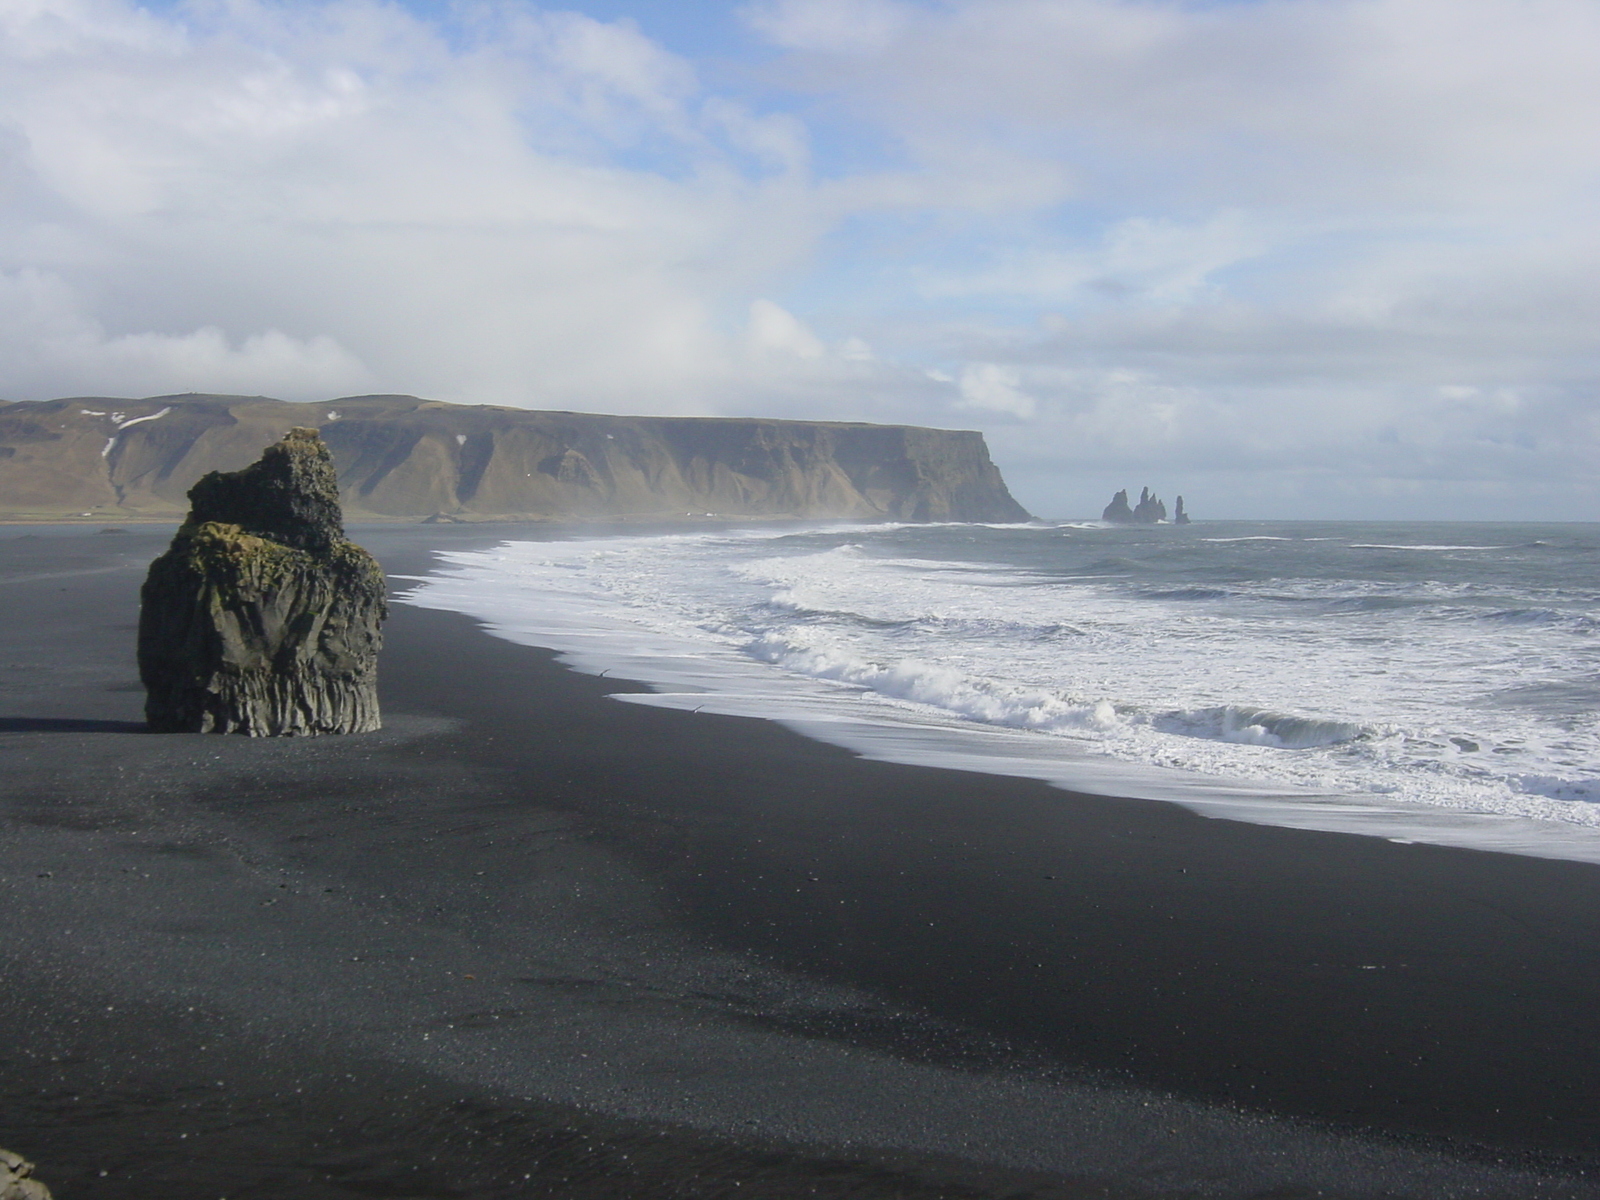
(404, 458)
(262, 618)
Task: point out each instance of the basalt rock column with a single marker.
(262, 618)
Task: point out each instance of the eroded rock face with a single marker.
(17, 1181)
(262, 618)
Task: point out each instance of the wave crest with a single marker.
(953, 691)
(1244, 725)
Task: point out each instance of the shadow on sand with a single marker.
(68, 725)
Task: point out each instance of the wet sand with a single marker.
(531, 941)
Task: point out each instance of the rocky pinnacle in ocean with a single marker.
(1149, 511)
(262, 618)
(1118, 512)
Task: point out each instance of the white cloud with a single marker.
(1280, 228)
(854, 349)
(50, 347)
(1285, 239)
(540, 209)
(831, 26)
(1278, 98)
(989, 387)
(775, 330)
(778, 140)
(1152, 260)
(36, 29)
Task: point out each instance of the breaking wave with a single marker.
(1288, 659)
(1259, 727)
(973, 697)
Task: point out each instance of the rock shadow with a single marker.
(68, 725)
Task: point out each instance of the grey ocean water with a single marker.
(1434, 681)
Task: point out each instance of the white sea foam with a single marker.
(1383, 546)
(1427, 707)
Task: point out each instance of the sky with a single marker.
(1289, 258)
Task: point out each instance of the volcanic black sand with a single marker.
(531, 941)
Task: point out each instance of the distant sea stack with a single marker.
(1149, 510)
(398, 457)
(262, 618)
(1118, 512)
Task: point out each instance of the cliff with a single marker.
(401, 457)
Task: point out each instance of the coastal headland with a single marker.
(529, 941)
(405, 458)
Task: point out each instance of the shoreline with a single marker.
(1345, 768)
(778, 958)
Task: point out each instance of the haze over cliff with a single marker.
(402, 457)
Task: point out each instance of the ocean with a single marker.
(1421, 682)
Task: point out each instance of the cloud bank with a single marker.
(1305, 257)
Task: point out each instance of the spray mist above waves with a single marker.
(1450, 666)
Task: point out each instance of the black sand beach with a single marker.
(529, 941)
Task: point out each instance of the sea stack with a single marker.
(1149, 510)
(1179, 517)
(1118, 511)
(262, 618)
